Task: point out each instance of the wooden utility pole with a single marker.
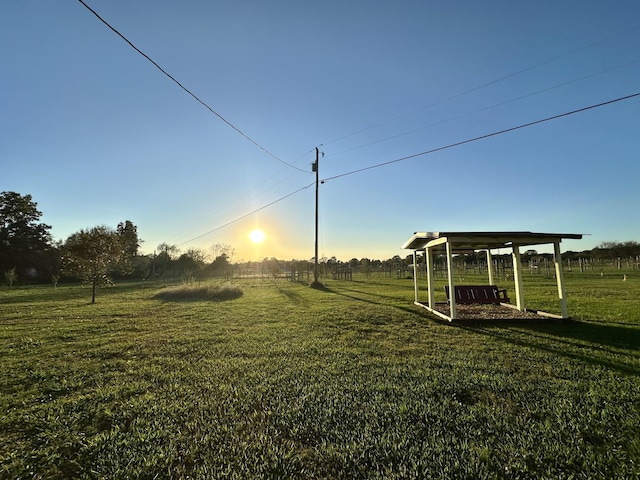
(315, 266)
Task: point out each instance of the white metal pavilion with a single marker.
(465, 242)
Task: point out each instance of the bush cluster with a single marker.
(182, 293)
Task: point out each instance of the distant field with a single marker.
(351, 382)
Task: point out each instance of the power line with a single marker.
(482, 137)
(371, 167)
(489, 107)
(187, 90)
(243, 196)
(491, 82)
(247, 214)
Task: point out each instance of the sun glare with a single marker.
(256, 236)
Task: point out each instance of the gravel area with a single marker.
(487, 312)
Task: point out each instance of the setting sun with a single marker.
(256, 236)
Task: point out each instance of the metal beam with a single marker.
(415, 275)
(560, 280)
(429, 259)
(437, 241)
(517, 274)
(452, 292)
(490, 266)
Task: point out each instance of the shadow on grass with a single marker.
(379, 300)
(608, 345)
(370, 294)
(318, 286)
(352, 297)
(604, 334)
(612, 335)
(290, 294)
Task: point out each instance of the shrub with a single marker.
(185, 293)
(10, 276)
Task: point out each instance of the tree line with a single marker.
(98, 255)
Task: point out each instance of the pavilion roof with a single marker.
(471, 241)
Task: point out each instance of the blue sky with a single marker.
(98, 135)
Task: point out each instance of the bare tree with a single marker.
(219, 249)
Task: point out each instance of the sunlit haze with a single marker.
(98, 135)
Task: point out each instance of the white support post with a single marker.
(490, 266)
(560, 280)
(452, 292)
(428, 253)
(517, 274)
(415, 275)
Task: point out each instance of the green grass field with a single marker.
(285, 381)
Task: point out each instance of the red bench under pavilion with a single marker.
(478, 294)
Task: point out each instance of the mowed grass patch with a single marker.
(286, 381)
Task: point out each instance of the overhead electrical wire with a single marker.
(371, 167)
(210, 109)
(243, 196)
(248, 214)
(489, 83)
(489, 107)
(204, 104)
(482, 137)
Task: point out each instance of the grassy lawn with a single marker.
(286, 381)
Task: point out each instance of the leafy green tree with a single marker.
(220, 266)
(192, 264)
(128, 234)
(132, 264)
(166, 254)
(613, 250)
(196, 255)
(25, 242)
(93, 255)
